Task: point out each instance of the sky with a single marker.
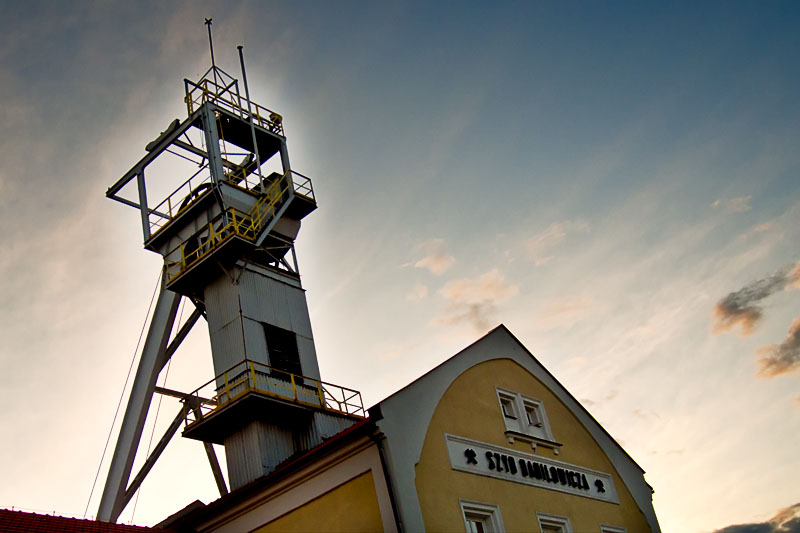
(616, 182)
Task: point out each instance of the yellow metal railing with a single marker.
(207, 90)
(224, 226)
(173, 205)
(250, 376)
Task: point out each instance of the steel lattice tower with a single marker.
(227, 233)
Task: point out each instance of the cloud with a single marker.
(540, 245)
(783, 358)
(437, 260)
(644, 415)
(473, 300)
(565, 311)
(607, 398)
(418, 292)
(786, 520)
(676, 451)
(733, 205)
(763, 227)
(396, 351)
(741, 308)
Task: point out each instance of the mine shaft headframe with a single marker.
(218, 110)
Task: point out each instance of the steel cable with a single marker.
(122, 394)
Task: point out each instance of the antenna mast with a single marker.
(211, 46)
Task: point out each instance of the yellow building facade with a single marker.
(488, 441)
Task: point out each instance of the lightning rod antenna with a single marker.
(211, 46)
(250, 116)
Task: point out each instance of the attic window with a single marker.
(507, 404)
(531, 424)
(533, 412)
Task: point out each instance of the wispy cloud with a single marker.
(733, 205)
(473, 300)
(645, 415)
(741, 308)
(677, 451)
(540, 246)
(783, 358)
(786, 520)
(565, 311)
(607, 398)
(436, 258)
(418, 292)
(397, 350)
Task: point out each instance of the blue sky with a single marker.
(595, 176)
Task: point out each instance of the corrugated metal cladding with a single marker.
(298, 312)
(222, 303)
(258, 448)
(277, 444)
(268, 300)
(243, 456)
(328, 425)
(256, 341)
(308, 357)
(263, 301)
(227, 347)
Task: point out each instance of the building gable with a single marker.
(407, 415)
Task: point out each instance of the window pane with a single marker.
(533, 416)
(282, 350)
(475, 525)
(508, 408)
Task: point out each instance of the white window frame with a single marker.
(519, 421)
(487, 512)
(612, 529)
(562, 522)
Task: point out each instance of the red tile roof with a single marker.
(22, 522)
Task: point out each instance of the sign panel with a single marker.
(489, 460)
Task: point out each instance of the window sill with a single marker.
(533, 441)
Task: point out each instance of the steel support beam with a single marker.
(151, 461)
(152, 360)
(212, 143)
(217, 471)
(143, 205)
(154, 153)
(182, 396)
(182, 333)
(212, 457)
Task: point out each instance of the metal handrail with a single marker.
(251, 376)
(234, 222)
(171, 204)
(207, 90)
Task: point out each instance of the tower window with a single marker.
(282, 351)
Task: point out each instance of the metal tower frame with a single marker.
(224, 223)
(204, 100)
(157, 351)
